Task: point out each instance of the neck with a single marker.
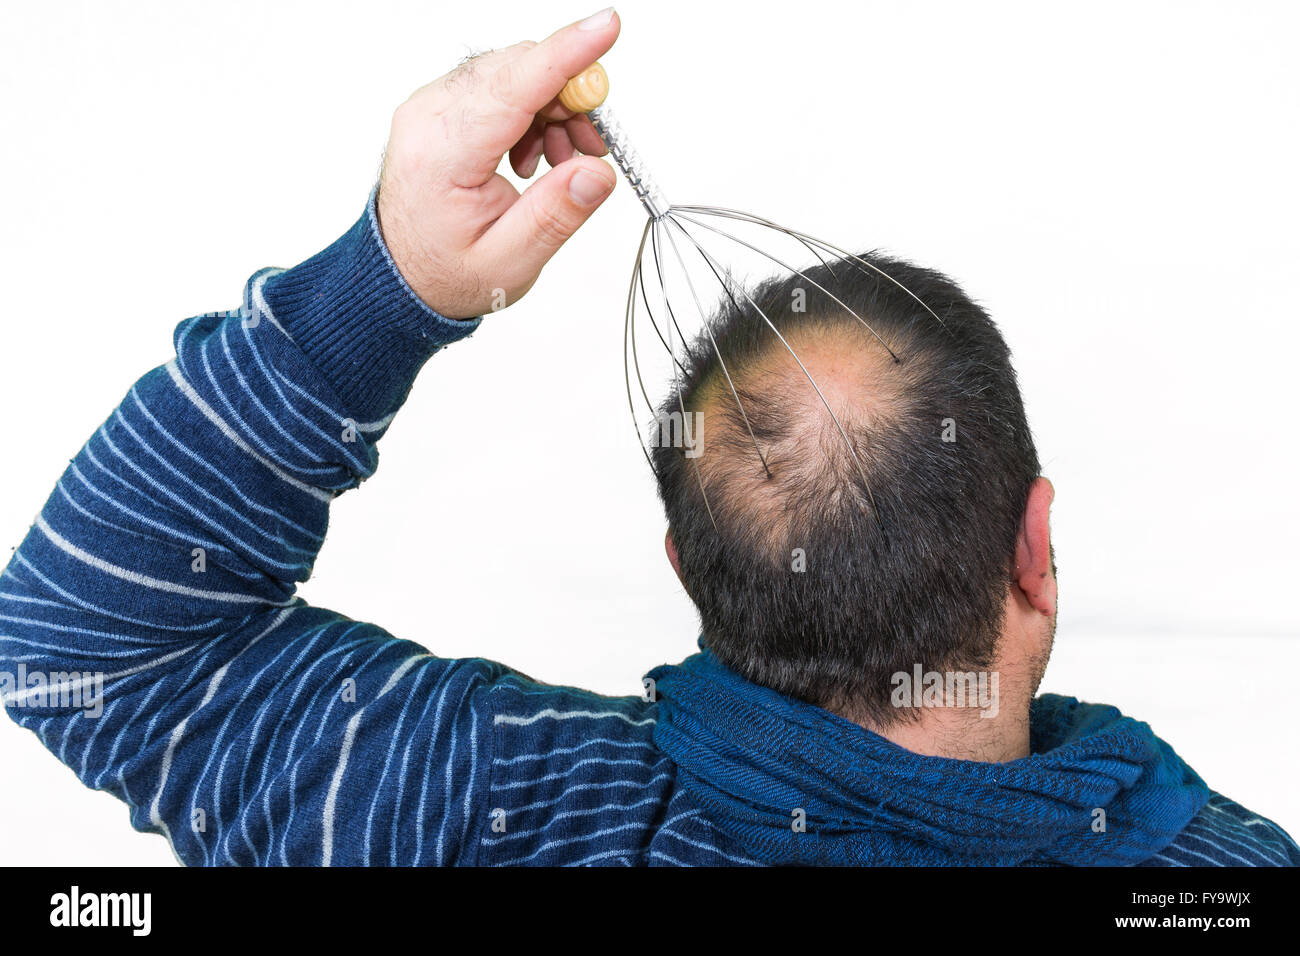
(993, 724)
(962, 734)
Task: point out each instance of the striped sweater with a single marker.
(151, 639)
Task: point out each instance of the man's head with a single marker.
(920, 540)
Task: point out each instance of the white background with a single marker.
(1116, 183)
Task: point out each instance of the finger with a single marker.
(527, 153)
(558, 147)
(524, 85)
(514, 49)
(551, 210)
(584, 136)
(580, 134)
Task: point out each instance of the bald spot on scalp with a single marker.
(810, 463)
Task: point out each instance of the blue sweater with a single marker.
(150, 638)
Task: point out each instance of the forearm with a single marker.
(160, 573)
(205, 495)
(162, 568)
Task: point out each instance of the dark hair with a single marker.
(910, 566)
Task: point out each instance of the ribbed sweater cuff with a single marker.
(351, 312)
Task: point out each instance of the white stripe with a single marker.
(578, 787)
(398, 674)
(188, 391)
(1218, 846)
(704, 846)
(568, 770)
(375, 426)
(547, 755)
(260, 303)
(658, 854)
(580, 838)
(154, 817)
(1255, 821)
(332, 797)
(10, 698)
(554, 714)
(1161, 856)
(144, 580)
(523, 834)
(621, 854)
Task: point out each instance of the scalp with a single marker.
(811, 468)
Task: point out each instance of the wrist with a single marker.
(353, 313)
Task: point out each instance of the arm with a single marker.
(149, 633)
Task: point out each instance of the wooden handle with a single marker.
(586, 91)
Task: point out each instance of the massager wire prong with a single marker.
(650, 311)
(813, 382)
(755, 220)
(677, 378)
(638, 275)
(725, 213)
(636, 358)
(709, 331)
(813, 249)
(586, 94)
(787, 266)
(629, 340)
(870, 268)
(663, 286)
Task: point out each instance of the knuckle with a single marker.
(550, 227)
(404, 135)
(404, 115)
(501, 86)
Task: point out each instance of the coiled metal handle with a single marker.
(585, 93)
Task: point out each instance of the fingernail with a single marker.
(597, 20)
(587, 187)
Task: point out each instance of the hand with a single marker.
(461, 234)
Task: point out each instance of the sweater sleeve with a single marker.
(149, 632)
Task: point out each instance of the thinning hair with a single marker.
(840, 564)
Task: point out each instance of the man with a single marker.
(877, 603)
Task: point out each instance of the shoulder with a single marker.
(575, 776)
(531, 720)
(1225, 833)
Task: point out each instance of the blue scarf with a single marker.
(755, 758)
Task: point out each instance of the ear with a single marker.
(1034, 574)
(672, 555)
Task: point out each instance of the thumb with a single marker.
(546, 215)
